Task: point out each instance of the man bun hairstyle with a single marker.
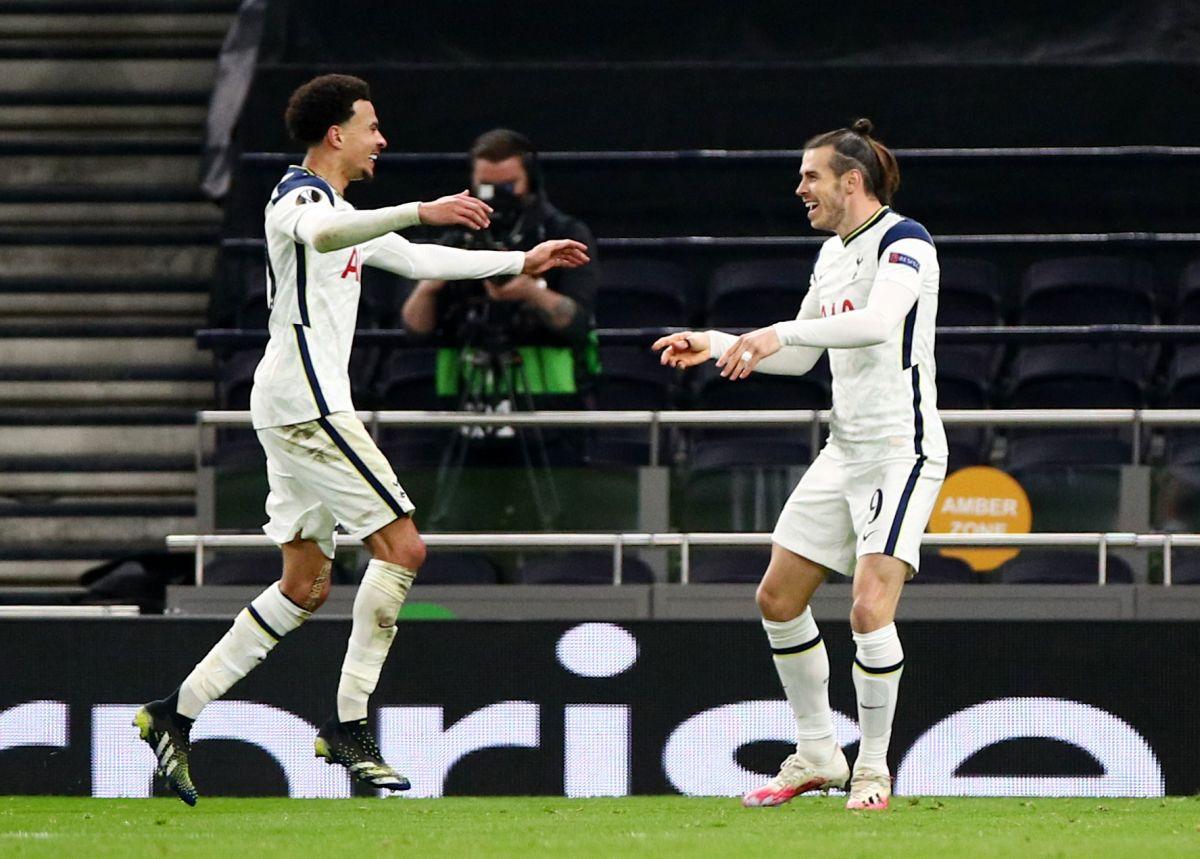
(323, 101)
(854, 148)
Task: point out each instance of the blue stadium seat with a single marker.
(1078, 376)
(1088, 290)
(756, 293)
(1183, 378)
(936, 569)
(242, 568)
(458, 568)
(970, 292)
(1073, 480)
(1187, 302)
(762, 390)
(407, 380)
(582, 568)
(631, 379)
(235, 378)
(710, 566)
(641, 294)
(1034, 567)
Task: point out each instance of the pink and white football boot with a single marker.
(869, 791)
(798, 776)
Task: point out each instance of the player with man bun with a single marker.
(323, 467)
(863, 505)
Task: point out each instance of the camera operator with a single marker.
(548, 320)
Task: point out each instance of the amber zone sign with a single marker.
(981, 500)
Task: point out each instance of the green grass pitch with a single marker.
(635, 826)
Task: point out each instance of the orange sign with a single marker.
(981, 500)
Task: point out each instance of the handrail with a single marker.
(617, 541)
(813, 419)
(659, 156)
(698, 242)
(207, 338)
(750, 417)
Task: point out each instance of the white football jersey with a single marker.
(314, 309)
(304, 374)
(885, 393)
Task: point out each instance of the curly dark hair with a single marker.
(323, 101)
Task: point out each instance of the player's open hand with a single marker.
(740, 359)
(685, 349)
(459, 209)
(556, 253)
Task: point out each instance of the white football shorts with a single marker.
(841, 509)
(325, 473)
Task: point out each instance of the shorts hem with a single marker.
(380, 523)
(810, 553)
(296, 534)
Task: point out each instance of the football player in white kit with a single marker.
(862, 506)
(323, 467)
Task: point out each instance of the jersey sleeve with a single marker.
(306, 203)
(905, 262)
(400, 256)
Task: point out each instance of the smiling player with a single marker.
(863, 505)
(322, 466)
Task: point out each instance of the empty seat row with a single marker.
(657, 293)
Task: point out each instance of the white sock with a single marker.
(255, 631)
(380, 597)
(877, 669)
(803, 667)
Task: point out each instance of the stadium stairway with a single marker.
(106, 256)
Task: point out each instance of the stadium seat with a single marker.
(235, 378)
(1062, 568)
(407, 379)
(1187, 303)
(1088, 291)
(252, 309)
(711, 566)
(762, 390)
(1185, 567)
(582, 568)
(1078, 376)
(756, 293)
(640, 294)
(242, 568)
(631, 379)
(1073, 480)
(741, 484)
(970, 292)
(458, 568)
(936, 569)
(1183, 378)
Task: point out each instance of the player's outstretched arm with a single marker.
(456, 210)
(689, 348)
(885, 312)
(325, 229)
(684, 349)
(556, 253)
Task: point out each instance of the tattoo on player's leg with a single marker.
(318, 587)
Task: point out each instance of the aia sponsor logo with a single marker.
(834, 308)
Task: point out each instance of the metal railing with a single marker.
(1137, 419)
(718, 156)
(618, 542)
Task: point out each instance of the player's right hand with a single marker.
(459, 209)
(556, 253)
(685, 349)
